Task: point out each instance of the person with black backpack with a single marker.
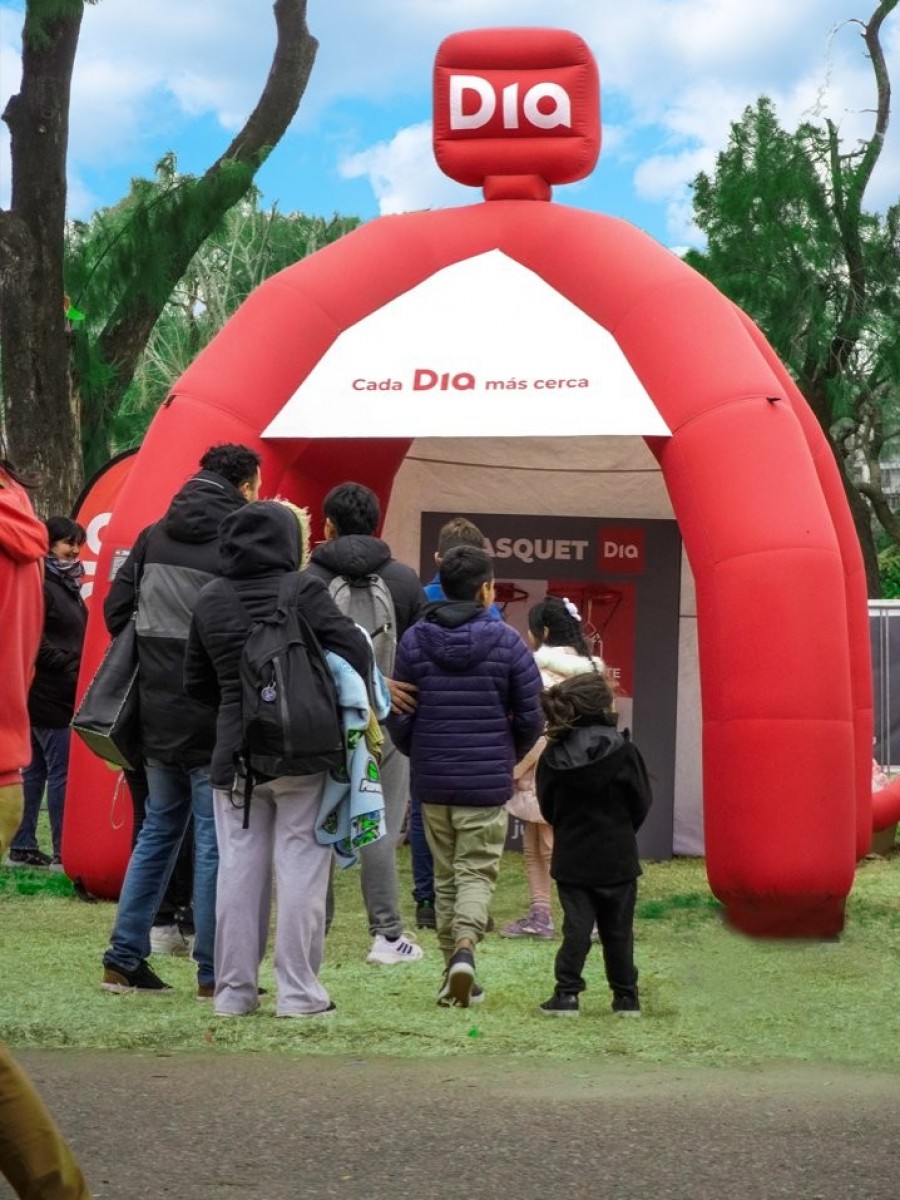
(255, 650)
(386, 598)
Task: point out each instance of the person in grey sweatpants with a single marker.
(282, 832)
(259, 546)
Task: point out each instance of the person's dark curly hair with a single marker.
(234, 462)
(585, 699)
(352, 508)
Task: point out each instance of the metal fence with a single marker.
(884, 631)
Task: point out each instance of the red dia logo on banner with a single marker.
(620, 549)
(516, 103)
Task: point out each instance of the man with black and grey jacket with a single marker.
(162, 577)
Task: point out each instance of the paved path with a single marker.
(221, 1125)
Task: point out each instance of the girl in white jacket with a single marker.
(560, 650)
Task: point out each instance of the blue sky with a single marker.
(183, 74)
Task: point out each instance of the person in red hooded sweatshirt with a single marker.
(34, 1157)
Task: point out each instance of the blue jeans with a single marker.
(49, 767)
(174, 793)
(422, 862)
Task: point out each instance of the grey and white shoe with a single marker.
(387, 952)
(168, 939)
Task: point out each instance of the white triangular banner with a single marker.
(482, 348)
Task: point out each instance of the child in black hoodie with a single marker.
(593, 789)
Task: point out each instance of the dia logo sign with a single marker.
(620, 549)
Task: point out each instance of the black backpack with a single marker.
(290, 721)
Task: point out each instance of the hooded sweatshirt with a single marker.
(356, 555)
(593, 788)
(260, 544)
(51, 701)
(555, 664)
(180, 555)
(478, 708)
(23, 544)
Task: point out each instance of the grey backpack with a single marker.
(367, 601)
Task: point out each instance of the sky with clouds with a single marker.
(183, 74)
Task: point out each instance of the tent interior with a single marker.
(610, 478)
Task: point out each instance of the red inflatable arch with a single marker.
(782, 622)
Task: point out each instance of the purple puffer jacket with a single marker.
(479, 708)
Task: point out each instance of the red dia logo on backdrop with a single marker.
(620, 549)
(516, 103)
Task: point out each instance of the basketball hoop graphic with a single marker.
(506, 592)
(597, 603)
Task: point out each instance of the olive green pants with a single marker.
(11, 808)
(34, 1156)
(467, 845)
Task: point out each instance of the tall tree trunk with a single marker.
(41, 426)
(181, 225)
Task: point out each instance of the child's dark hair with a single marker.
(459, 531)
(585, 699)
(352, 508)
(234, 462)
(64, 529)
(562, 629)
(464, 572)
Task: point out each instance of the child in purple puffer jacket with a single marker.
(478, 714)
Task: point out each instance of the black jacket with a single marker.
(181, 554)
(592, 787)
(259, 545)
(357, 554)
(51, 700)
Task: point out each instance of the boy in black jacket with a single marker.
(593, 789)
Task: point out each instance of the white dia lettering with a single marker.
(464, 89)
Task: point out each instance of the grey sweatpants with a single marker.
(378, 862)
(281, 833)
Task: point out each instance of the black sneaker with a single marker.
(29, 858)
(426, 917)
(115, 979)
(561, 1004)
(626, 1006)
(461, 977)
(445, 999)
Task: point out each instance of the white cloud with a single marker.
(404, 175)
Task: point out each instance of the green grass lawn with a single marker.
(710, 997)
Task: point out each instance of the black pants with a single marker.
(612, 909)
(175, 906)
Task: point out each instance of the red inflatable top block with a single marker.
(516, 102)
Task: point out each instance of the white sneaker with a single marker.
(168, 939)
(400, 950)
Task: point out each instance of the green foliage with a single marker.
(818, 276)
(108, 264)
(41, 14)
(889, 572)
